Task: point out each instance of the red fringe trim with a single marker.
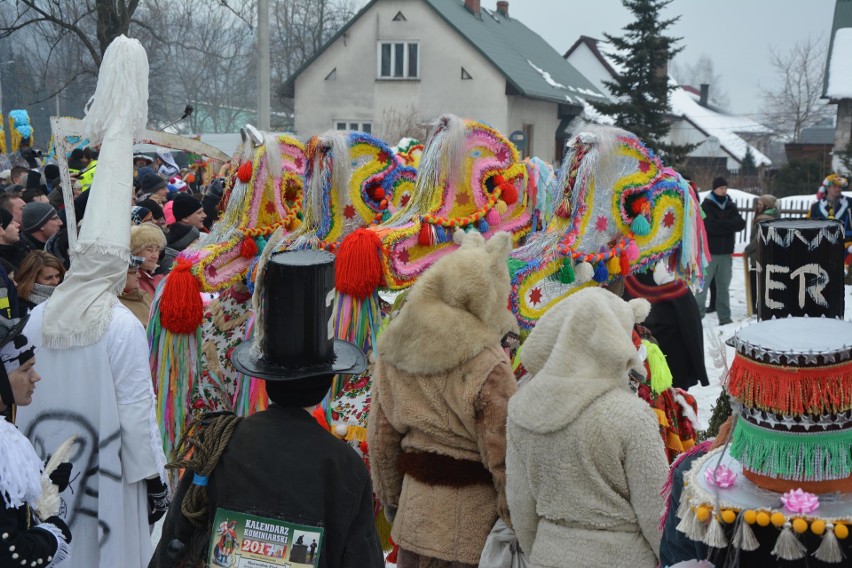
(792, 391)
(181, 309)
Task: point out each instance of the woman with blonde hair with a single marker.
(148, 241)
(37, 277)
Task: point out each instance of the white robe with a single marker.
(103, 394)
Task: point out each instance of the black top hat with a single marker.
(296, 340)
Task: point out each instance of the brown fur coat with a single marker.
(441, 389)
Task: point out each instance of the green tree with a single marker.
(748, 166)
(641, 91)
(799, 177)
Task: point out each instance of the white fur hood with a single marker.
(581, 349)
(457, 308)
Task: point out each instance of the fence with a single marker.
(788, 207)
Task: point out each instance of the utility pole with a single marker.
(263, 108)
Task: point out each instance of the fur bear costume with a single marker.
(585, 464)
(437, 427)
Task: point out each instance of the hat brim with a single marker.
(348, 360)
(8, 334)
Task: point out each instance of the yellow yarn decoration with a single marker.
(800, 525)
(763, 519)
(778, 519)
(383, 528)
(729, 516)
(702, 514)
(841, 531)
(818, 527)
(354, 432)
(750, 517)
(613, 265)
(661, 376)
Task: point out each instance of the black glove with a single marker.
(158, 499)
(61, 476)
(60, 524)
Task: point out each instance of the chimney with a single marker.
(472, 6)
(705, 94)
(503, 8)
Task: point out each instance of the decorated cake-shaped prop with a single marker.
(800, 269)
(619, 210)
(353, 180)
(409, 150)
(789, 461)
(792, 378)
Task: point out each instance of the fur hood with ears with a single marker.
(457, 308)
(580, 349)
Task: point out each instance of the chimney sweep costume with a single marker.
(277, 484)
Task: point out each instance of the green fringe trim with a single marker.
(803, 456)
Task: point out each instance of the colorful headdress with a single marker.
(353, 180)
(19, 127)
(620, 210)
(470, 178)
(410, 151)
(831, 179)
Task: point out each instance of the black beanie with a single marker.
(184, 207)
(719, 182)
(51, 172)
(153, 207)
(300, 393)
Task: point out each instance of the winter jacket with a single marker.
(12, 255)
(29, 243)
(842, 211)
(280, 463)
(441, 387)
(138, 302)
(751, 248)
(584, 461)
(722, 222)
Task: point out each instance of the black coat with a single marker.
(281, 464)
(722, 224)
(29, 544)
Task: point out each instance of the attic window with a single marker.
(465, 75)
(332, 75)
(400, 17)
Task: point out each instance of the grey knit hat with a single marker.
(36, 214)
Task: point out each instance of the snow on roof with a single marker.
(839, 76)
(591, 114)
(546, 76)
(722, 126)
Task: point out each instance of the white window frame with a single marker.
(405, 71)
(349, 123)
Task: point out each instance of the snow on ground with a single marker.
(706, 396)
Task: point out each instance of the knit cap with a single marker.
(182, 235)
(36, 214)
(184, 206)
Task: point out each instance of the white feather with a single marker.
(48, 504)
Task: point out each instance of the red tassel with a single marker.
(319, 416)
(394, 554)
(248, 248)
(509, 193)
(181, 309)
(625, 263)
(244, 173)
(359, 264)
(425, 238)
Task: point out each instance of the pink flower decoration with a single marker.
(798, 501)
(722, 477)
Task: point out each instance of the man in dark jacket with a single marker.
(722, 221)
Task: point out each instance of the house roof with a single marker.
(722, 126)
(684, 101)
(817, 135)
(838, 75)
(531, 66)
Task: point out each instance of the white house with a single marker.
(430, 57)
(719, 135)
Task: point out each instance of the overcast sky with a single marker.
(736, 34)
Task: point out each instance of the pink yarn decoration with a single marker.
(722, 477)
(798, 501)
